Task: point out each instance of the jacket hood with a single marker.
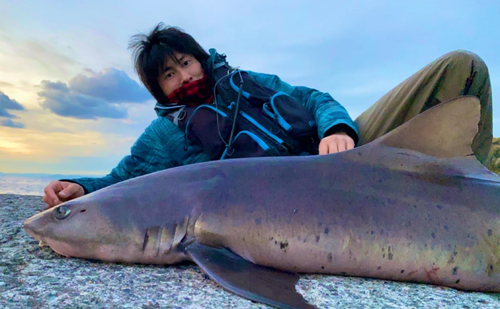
(212, 63)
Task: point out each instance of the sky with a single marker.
(71, 102)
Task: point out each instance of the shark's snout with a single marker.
(28, 226)
(34, 225)
(31, 229)
(40, 225)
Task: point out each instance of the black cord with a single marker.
(236, 109)
(216, 106)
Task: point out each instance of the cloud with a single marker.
(92, 95)
(6, 114)
(63, 101)
(34, 55)
(111, 85)
(5, 84)
(11, 124)
(7, 103)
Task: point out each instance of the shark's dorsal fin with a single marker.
(444, 131)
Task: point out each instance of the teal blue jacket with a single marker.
(161, 146)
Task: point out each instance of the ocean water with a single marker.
(24, 185)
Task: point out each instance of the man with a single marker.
(176, 71)
(168, 62)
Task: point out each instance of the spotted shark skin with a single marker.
(410, 206)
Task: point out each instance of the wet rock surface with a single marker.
(31, 276)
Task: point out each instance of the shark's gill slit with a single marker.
(146, 239)
(158, 242)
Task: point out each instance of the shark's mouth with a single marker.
(58, 247)
(43, 244)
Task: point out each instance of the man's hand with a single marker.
(337, 142)
(57, 192)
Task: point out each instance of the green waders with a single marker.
(454, 74)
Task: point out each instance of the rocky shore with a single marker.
(36, 277)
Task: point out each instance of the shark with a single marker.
(413, 205)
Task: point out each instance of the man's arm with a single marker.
(160, 147)
(331, 117)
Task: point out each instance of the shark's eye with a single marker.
(62, 212)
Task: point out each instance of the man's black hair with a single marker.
(150, 51)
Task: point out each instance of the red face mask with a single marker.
(194, 93)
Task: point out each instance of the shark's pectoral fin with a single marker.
(444, 131)
(257, 283)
